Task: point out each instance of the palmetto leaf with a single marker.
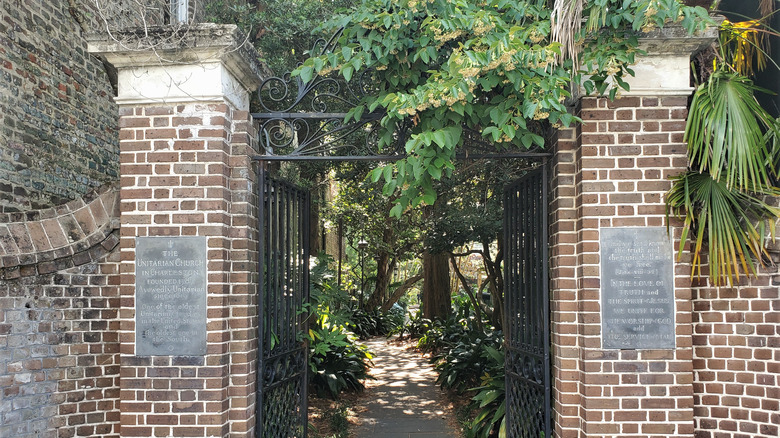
(725, 132)
(733, 222)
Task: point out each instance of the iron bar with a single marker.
(262, 279)
(392, 158)
(301, 115)
(527, 342)
(283, 292)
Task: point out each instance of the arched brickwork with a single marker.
(59, 350)
(45, 241)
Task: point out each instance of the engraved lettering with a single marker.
(171, 296)
(637, 288)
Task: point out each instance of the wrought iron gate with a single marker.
(527, 307)
(284, 292)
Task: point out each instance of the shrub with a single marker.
(461, 365)
(490, 401)
(336, 361)
(416, 326)
(368, 323)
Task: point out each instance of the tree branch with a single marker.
(467, 288)
(400, 291)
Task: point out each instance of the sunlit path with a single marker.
(403, 401)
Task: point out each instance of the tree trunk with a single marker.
(384, 274)
(436, 297)
(400, 291)
(474, 303)
(495, 280)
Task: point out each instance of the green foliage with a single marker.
(461, 364)
(725, 132)
(362, 206)
(441, 335)
(337, 363)
(489, 403)
(733, 222)
(281, 30)
(473, 211)
(416, 326)
(610, 33)
(438, 67)
(732, 149)
(368, 323)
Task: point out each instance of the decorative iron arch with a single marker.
(305, 121)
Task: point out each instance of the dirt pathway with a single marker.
(403, 401)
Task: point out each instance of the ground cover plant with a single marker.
(337, 362)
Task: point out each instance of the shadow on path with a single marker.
(403, 401)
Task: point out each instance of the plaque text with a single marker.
(637, 288)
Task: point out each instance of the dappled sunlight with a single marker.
(402, 399)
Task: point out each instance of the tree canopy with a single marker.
(440, 68)
(281, 30)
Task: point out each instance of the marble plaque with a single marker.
(170, 296)
(637, 288)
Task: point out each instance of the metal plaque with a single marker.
(170, 296)
(637, 288)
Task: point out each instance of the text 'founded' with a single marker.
(170, 290)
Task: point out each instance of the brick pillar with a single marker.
(612, 172)
(185, 146)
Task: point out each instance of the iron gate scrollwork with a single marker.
(526, 294)
(283, 295)
(305, 121)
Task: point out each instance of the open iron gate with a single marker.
(283, 295)
(527, 307)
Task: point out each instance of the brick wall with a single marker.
(613, 172)
(186, 172)
(737, 358)
(59, 368)
(58, 135)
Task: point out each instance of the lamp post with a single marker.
(341, 248)
(362, 245)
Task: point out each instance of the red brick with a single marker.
(159, 133)
(133, 122)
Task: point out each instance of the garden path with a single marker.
(403, 401)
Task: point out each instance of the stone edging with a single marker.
(57, 238)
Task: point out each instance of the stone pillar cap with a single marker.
(182, 45)
(673, 39)
(664, 69)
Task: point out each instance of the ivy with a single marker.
(442, 66)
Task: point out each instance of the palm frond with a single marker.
(725, 131)
(734, 224)
(744, 45)
(766, 7)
